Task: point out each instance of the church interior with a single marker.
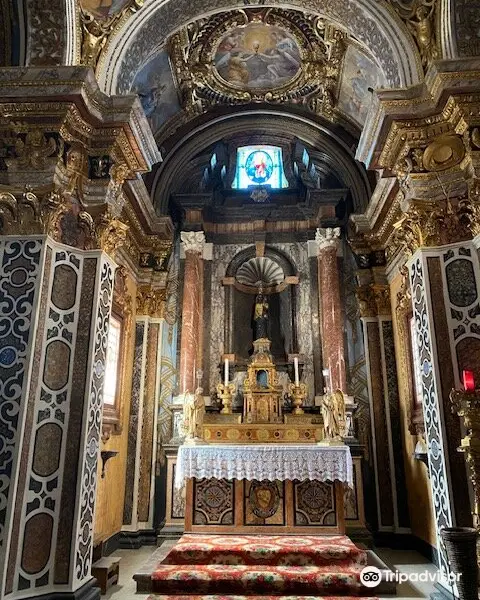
(239, 298)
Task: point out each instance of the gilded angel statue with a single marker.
(333, 414)
(193, 412)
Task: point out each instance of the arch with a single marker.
(373, 24)
(309, 131)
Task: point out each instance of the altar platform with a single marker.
(264, 488)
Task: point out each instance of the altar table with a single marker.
(264, 488)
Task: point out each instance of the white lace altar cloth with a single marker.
(264, 461)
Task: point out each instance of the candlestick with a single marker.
(468, 381)
(225, 374)
(295, 365)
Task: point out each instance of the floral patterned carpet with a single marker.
(259, 566)
(302, 550)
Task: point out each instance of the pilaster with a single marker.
(56, 301)
(375, 312)
(144, 411)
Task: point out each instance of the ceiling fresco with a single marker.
(257, 56)
(360, 75)
(156, 89)
(253, 56)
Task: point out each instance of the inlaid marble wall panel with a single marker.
(299, 256)
(314, 503)
(222, 256)
(51, 526)
(20, 287)
(213, 501)
(143, 425)
(140, 340)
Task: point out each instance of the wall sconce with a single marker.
(105, 456)
(420, 453)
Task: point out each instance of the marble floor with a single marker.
(401, 560)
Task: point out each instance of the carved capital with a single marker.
(327, 237)
(193, 241)
(427, 223)
(150, 301)
(28, 213)
(373, 300)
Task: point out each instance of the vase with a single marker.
(461, 548)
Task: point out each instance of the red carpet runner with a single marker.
(260, 566)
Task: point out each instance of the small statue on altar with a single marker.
(260, 316)
(193, 412)
(333, 414)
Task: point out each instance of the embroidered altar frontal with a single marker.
(264, 489)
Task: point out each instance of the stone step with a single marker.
(271, 550)
(248, 579)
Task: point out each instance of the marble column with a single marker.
(191, 326)
(332, 333)
(55, 304)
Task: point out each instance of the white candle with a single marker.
(225, 374)
(295, 365)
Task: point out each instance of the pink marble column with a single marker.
(332, 314)
(191, 335)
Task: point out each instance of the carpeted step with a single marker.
(223, 597)
(272, 550)
(248, 579)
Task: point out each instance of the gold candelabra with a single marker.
(299, 393)
(226, 391)
(466, 404)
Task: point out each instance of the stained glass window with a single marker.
(259, 165)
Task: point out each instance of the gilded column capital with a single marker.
(26, 213)
(151, 301)
(427, 223)
(373, 300)
(327, 237)
(193, 241)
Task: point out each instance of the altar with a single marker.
(264, 488)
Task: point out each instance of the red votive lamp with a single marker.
(468, 381)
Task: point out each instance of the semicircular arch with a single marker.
(310, 132)
(374, 24)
